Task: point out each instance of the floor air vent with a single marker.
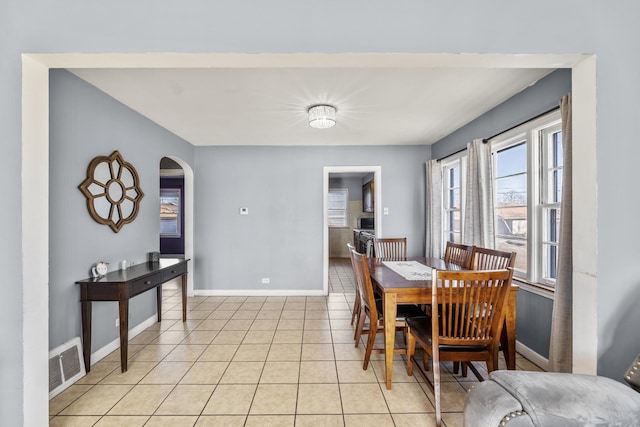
(66, 366)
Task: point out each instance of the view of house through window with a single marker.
(528, 181)
(170, 212)
(510, 172)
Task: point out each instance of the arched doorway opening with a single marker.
(171, 208)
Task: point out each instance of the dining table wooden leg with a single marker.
(508, 337)
(390, 311)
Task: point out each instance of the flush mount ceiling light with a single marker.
(322, 116)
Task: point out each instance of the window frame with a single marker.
(545, 192)
(345, 211)
(533, 134)
(446, 165)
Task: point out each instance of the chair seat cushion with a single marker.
(420, 327)
(556, 399)
(403, 311)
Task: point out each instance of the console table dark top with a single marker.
(137, 271)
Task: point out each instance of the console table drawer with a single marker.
(174, 271)
(142, 285)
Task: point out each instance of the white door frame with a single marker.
(377, 188)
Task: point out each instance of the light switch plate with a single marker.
(244, 211)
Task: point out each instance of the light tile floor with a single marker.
(256, 361)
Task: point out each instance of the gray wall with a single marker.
(534, 311)
(281, 238)
(534, 100)
(289, 26)
(86, 123)
(533, 321)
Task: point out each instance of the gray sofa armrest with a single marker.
(487, 404)
(632, 377)
(541, 399)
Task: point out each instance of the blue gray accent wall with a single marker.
(86, 123)
(281, 237)
(534, 311)
(533, 321)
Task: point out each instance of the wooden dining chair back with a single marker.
(465, 324)
(491, 259)
(371, 308)
(390, 249)
(368, 306)
(458, 254)
(356, 302)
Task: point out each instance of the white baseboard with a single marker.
(532, 356)
(256, 292)
(115, 344)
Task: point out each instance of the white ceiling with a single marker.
(266, 104)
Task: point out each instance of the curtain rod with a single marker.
(485, 140)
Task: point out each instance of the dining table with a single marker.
(396, 289)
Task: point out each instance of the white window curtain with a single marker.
(433, 246)
(561, 346)
(479, 215)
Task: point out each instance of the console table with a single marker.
(121, 285)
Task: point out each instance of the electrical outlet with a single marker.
(266, 280)
(117, 322)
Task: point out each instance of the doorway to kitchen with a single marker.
(352, 197)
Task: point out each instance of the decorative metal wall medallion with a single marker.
(112, 189)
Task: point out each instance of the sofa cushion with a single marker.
(556, 399)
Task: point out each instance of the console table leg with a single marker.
(86, 334)
(184, 297)
(159, 302)
(124, 333)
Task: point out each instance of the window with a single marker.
(528, 181)
(550, 197)
(170, 212)
(510, 171)
(338, 212)
(452, 174)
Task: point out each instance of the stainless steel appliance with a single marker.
(366, 223)
(366, 242)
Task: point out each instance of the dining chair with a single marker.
(390, 249)
(491, 259)
(371, 308)
(465, 324)
(356, 303)
(458, 254)
(486, 259)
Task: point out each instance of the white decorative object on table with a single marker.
(100, 269)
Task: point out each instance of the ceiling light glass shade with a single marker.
(322, 116)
